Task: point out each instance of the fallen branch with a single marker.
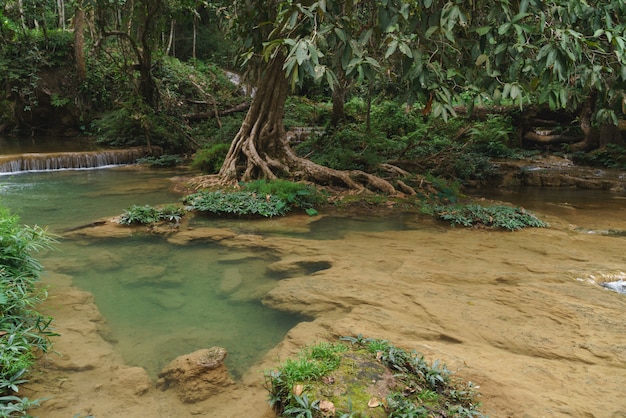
(208, 115)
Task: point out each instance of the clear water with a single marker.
(159, 300)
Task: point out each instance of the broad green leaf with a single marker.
(405, 49)
(430, 31)
(302, 53)
(365, 36)
(322, 5)
(504, 28)
(482, 58)
(372, 62)
(483, 30)
(393, 45)
(341, 34)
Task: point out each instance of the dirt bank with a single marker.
(519, 314)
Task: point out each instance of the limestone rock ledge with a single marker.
(197, 376)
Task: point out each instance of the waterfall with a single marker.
(73, 160)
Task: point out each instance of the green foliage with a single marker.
(297, 195)
(235, 203)
(135, 124)
(298, 386)
(300, 111)
(349, 147)
(264, 198)
(23, 331)
(493, 137)
(210, 160)
(612, 156)
(162, 161)
(503, 217)
(148, 215)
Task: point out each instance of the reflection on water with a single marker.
(159, 300)
(23, 145)
(577, 206)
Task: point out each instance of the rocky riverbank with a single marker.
(521, 314)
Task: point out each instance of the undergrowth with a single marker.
(148, 215)
(24, 332)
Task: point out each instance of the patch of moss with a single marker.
(367, 378)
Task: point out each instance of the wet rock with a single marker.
(299, 266)
(105, 261)
(231, 280)
(200, 235)
(135, 378)
(149, 275)
(196, 376)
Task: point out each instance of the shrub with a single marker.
(612, 156)
(210, 160)
(24, 331)
(161, 161)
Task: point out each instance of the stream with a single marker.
(523, 314)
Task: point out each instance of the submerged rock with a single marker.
(196, 376)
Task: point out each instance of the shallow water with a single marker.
(522, 314)
(159, 300)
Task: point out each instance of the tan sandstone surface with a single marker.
(520, 314)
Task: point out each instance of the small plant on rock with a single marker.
(235, 203)
(499, 216)
(148, 215)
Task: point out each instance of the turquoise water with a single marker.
(159, 300)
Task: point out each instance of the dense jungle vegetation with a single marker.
(393, 96)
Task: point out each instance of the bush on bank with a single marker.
(24, 332)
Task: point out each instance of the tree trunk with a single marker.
(261, 138)
(260, 149)
(79, 43)
(339, 99)
(590, 140)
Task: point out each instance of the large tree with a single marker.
(566, 54)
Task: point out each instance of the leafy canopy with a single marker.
(448, 52)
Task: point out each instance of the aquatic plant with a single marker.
(336, 379)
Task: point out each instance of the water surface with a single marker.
(159, 300)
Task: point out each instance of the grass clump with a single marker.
(498, 216)
(148, 215)
(23, 331)
(367, 377)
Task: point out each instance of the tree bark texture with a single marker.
(79, 43)
(260, 150)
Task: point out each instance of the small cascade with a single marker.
(73, 160)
